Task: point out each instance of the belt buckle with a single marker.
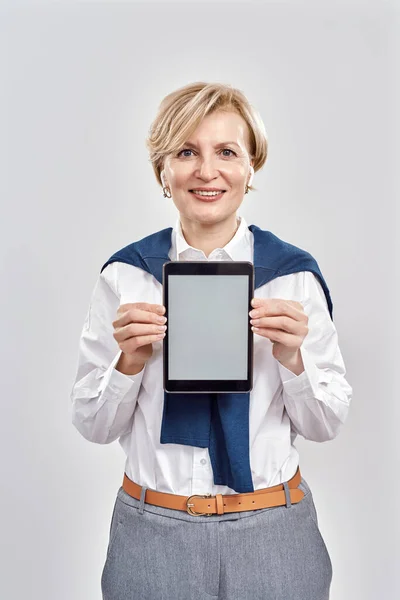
(192, 512)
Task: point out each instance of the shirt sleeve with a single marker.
(103, 399)
(317, 401)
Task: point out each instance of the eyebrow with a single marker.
(216, 145)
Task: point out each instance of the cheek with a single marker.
(179, 177)
(234, 174)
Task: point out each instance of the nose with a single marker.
(207, 169)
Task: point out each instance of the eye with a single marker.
(184, 150)
(228, 150)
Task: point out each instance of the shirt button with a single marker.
(203, 461)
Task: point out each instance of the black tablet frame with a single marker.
(206, 385)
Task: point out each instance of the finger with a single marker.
(280, 323)
(137, 329)
(135, 313)
(295, 304)
(129, 346)
(275, 335)
(156, 308)
(279, 306)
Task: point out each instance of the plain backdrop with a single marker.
(80, 85)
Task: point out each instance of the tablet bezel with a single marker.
(205, 385)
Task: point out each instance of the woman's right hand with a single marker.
(137, 326)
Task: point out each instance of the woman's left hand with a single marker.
(284, 322)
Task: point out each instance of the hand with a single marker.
(284, 323)
(137, 326)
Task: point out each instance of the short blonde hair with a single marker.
(181, 112)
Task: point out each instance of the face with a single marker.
(215, 157)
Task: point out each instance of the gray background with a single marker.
(213, 310)
(80, 84)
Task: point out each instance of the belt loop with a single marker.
(220, 504)
(287, 494)
(142, 499)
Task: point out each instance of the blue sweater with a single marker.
(219, 422)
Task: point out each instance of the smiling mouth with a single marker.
(204, 194)
(208, 197)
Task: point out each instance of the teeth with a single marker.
(202, 193)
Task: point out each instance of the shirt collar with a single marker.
(235, 249)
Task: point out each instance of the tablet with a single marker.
(208, 345)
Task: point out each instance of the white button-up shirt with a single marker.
(108, 405)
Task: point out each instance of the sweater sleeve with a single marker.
(103, 399)
(317, 401)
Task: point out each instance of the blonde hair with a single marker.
(181, 111)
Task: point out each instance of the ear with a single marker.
(251, 176)
(162, 178)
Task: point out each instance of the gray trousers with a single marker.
(275, 553)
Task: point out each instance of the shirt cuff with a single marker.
(307, 383)
(117, 383)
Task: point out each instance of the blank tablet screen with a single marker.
(208, 327)
(208, 322)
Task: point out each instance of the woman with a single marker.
(176, 533)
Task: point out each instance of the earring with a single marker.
(165, 189)
(247, 189)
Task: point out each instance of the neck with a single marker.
(206, 237)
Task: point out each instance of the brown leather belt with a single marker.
(207, 505)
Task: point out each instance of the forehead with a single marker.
(221, 126)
